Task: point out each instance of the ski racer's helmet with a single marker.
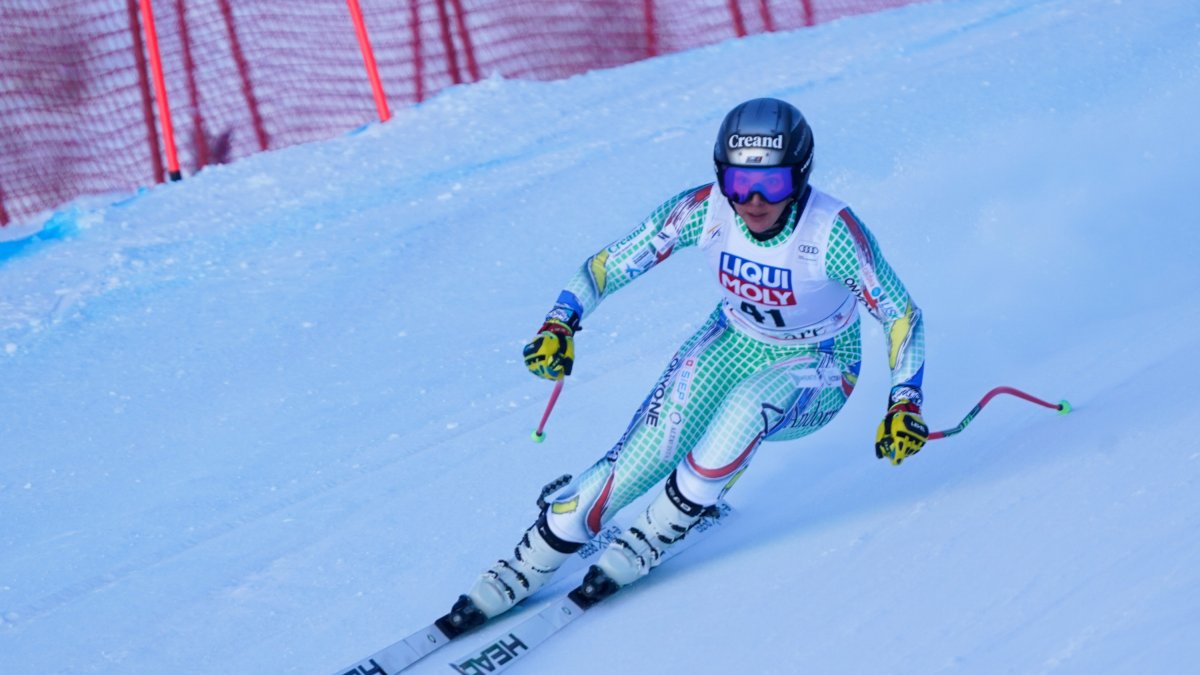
(766, 146)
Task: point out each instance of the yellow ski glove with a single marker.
(902, 433)
(551, 353)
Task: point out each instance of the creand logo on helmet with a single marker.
(771, 142)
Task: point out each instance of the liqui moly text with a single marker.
(756, 282)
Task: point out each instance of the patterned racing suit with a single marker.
(776, 360)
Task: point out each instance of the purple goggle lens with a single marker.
(740, 182)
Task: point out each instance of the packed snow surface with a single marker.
(273, 417)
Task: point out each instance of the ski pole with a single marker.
(538, 434)
(1063, 407)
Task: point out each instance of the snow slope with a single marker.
(273, 417)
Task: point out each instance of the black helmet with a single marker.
(766, 132)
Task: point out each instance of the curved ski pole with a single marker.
(1063, 407)
(538, 434)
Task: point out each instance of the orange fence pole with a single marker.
(809, 15)
(739, 24)
(460, 21)
(765, 13)
(651, 31)
(364, 45)
(160, 91)
(414, 20)
(139, 58)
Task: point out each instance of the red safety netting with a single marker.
(78, 113)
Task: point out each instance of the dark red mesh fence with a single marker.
(78, 113)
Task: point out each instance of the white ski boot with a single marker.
(640, 548)
(535, 560)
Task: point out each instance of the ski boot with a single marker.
(642, 547)
(535, 559)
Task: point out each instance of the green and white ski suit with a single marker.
(776, 360)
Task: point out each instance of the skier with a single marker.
(776, 360)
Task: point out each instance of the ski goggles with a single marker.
(739, 183)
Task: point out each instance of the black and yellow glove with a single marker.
(902, 433)
(551, 353)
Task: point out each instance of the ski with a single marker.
(401, 655)
(518, 641)
(504, 651)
